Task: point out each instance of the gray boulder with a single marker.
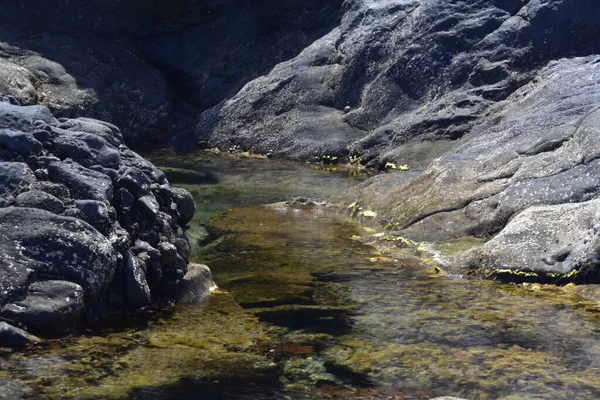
(17, 81)
(15, 177)
(196, 285)
(41, 200)
(83, 182)
(539, 147)
(556, 239)
(50, 306)
(11, 336)
(23, 119)
(185, 204)
(60, 246)
(399, 81)
(20, 142)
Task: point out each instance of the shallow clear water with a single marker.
(308, 310)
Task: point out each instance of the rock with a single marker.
(59, 246)
(96, 213)
(20, 142)
(50, 306)
(148, 206)
(196, 285)
(17, 81)
(14, 177)
(185, 204)
(135, 182)
(91, 148)
(83, 182)
(140, 82)
(22, 119)
(136, 285)
(41, 200)
(108, 131)
(11, 336)
(57, 190)
(556, 239)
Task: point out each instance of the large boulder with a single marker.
(556, 239)
(539, 147)
(50, 306)
(15, 177)
(62, 247)
(400, 81)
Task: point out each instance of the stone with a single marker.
(41, 200)
(135, 182)
(84, 183)
(185, 204)
(11, 336)
(57, 190)
(49, 307)
(18, 81)
(136, 286)
(20, 142)
(58, 246)
(96, 213)
(22, 119)
(92, 148)
(148, 206)
(551, 239)
(196, 285)
(14, 177)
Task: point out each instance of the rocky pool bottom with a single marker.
(307, 309)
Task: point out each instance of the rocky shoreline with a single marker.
(87, 226)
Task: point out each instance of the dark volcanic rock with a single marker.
(83, 182)
(53, 267)
(50, 306)
(138, 291)
(20, 142)
(11, 336)
(41, 200)
(66, 247)
(400, 81)
(185, 204)
(14, 177)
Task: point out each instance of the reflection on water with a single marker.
(308, 311)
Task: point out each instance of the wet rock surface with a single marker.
(81, 220)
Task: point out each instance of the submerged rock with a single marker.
(11, 336)
(196, 285)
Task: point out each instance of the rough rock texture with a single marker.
(82, 219)
(11, 336)
(400, 80)
(495, 103)
(148, 66)
(532, 241)
(539, 147)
